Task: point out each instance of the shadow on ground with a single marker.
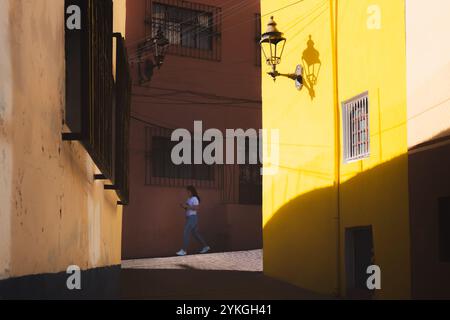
(191, 284)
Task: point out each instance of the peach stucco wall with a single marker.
(52, 214)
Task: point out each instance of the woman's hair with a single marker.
(194, 192)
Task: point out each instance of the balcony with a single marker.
(97, 100)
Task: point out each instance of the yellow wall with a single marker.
(377, 62)
(300, 203)
(53, 214)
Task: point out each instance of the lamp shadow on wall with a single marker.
(311, 66)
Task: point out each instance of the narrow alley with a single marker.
(303, 146)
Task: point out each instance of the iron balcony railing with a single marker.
(100, 133)
(97, 107)
(123, 87)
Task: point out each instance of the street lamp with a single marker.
(159, 45)
(272, 44)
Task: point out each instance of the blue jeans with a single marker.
(191, 227)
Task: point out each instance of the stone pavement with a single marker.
(231, 275)
(233, 261)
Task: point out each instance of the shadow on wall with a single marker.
(301, 236)
(429, 185)
(311, 66)
(300, 240)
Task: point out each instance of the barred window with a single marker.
(192, 29)
(250, 184)
(250, 178)
(188, 28)
(355, 113)
(160, 170)
(163, 167)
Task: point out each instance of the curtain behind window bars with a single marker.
(356, 128)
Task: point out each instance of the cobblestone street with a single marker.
(232, 275)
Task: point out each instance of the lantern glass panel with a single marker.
(273, 51)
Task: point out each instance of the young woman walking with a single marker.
(191, 227)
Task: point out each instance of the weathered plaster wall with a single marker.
(53, 214)
(5, 143)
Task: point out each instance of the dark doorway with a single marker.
(359, 256)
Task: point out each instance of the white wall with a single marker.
(428, 68)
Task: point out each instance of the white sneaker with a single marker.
(181, 253)
(205, 250)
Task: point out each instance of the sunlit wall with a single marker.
(316, 197)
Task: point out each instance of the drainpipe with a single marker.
(334, 10)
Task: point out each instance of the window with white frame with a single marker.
(355, 116)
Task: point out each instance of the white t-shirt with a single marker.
(192, 201)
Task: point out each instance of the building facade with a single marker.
(363, 176)
(428, 96)
(54, 214)
(210, 74)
